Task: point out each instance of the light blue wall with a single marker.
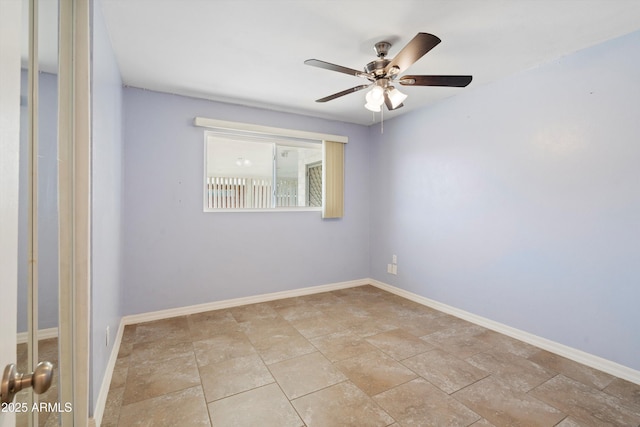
(519, 201)
(106, 198)
(175, 255)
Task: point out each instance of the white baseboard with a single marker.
(217, 305)
(576, 355)
(101, 403)
(43, 334)
(183, 311)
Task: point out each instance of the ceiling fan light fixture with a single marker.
(373, 107)
(375, 99)
(375, 95)
(395, 96)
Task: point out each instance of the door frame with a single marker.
(74, 199)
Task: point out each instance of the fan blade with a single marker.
(344, 92)
(453, 81)
(414, 50)
(334, 67)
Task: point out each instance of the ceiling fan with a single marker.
(382, 72)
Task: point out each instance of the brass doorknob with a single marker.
(13, 381)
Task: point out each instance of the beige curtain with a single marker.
(333, 179)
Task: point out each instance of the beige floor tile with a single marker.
(128, 339)
(375, 372)
(502, 406)
(285, 302)
(349, 315)
(221, 347)
(154, 378)
(181, 408)
(421, 325)
(112, 407)
(265, 406)
(586, 405)
(211, 323)
(359, 292)
(569, 422)
(368, 327)
(120, 371)
(444, 370)
(584, 374)
(341, 345)
(625, 390)
(234, 376)
(459, 341)
(341, 405)
(173, 329)
(521, 374)
(305, 374)
(279, 347)
(483, 423)
(316, 326)
(399, 344)
(246, 313)
(158, 350)
(501, 342)
(321, 299)
(301, 310)
(404, 311)
(129, 334)
(125, 349)
(419, 403)
(258, 330)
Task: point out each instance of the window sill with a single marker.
(300, 209)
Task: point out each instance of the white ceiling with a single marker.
(251, 52)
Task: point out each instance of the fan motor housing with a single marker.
(377, 67)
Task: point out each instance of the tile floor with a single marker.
(353, 357)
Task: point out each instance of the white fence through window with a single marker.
(241, 193)
(286, 192)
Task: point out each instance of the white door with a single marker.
(10, 33)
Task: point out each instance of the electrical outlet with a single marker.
(394, 269)
(389, 268)
(395, 259)
(107, 337)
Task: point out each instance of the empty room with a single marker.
(321, 213)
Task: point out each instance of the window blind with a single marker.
(333, 179)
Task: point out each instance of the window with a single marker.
(271, 169)
(265, 173)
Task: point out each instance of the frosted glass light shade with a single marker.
(375, 98)
(376, 95)
(372, 107)
(396, 97)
